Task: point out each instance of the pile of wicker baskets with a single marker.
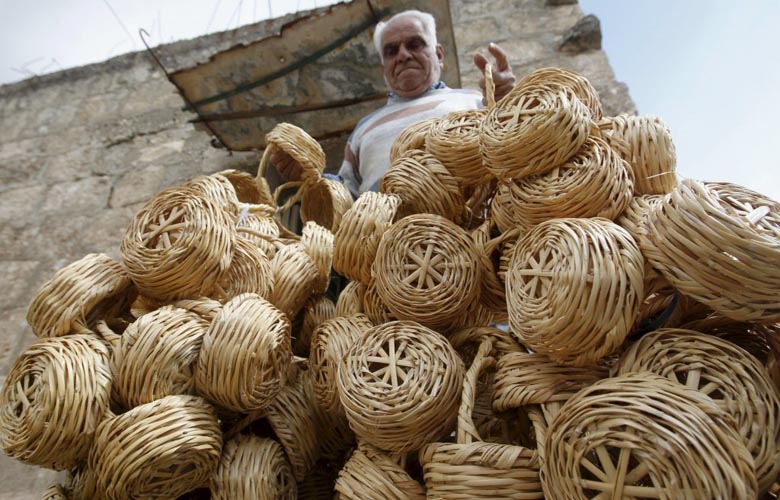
(537, 309)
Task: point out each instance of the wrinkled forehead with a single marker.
(404, 28)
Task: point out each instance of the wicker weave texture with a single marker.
(580, 85)
(296, 276)
(350, 300)
(454, 141)
(249, 272)
(412, 137)
(318, 309)
(318, 243)
(372, 474)
(325, 203)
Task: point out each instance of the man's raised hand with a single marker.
(503, 77)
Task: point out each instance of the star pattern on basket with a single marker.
(391, 364)
(427, 267)
(166, 231)
(612, 472)
(537, 275)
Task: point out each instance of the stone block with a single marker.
(20, 170)
(137, 185)
(17, 277)
(150, 96)
(473, 38)
(25, 482)
(85, 195)
(16, 336)
(22, 205)
(20, 147)
(465, 10)
(99, 108)
(70, 165)
(544, 21)
(583, 36)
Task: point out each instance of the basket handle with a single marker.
(467, 432)
(490, 86)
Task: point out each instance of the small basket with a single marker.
(54, 396)
(318, 243)
(245, 354)
(301, 147)
(204, 307)
(350, 299)
(325, 202)
(296, 277)
(427, 270)
(374, 307)
(317, 310)
(399, 385)
(55, 492)
(573, 289)
(79, 290)
(244, 186)
(580, 85)
(454, 141)
(467, 341)
(161, 449)
(256, 224)
(412, 137)
(252, 467)
(372, 474)
(493, 290)
(249, 272)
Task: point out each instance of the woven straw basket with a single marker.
(726, 255)
(472, 468)
(731, 377)
(244, 186)
(55, 492)
(81, 289)
(317, 310)
(243, 361)
(573, 289)
(256, 224)
(320, 483)
(318, 243)
(53, 398)
(427, 270)
(642, 436)
(454, 141)
(204, 307)
(492, 290)
(252, 468)
(412, 137)
(325, 202)
(468, 340)
(374, 307)
(350, 300)
(216, 188)
(296, 276)
(399, 384)
(249, 272)
(183, 435)
(372, 474)
(578, 84)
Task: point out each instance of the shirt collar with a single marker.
(392, 96)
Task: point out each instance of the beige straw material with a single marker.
(74, 292)
(157, 450)
(253, 468)
(55, 492)
(244, 186)
(156, 356)
(350, 300)
(530, 378)
(424, 185)
(412, 137)
(573, 289)
(218, 189)
(256, 223)
(373, 474)
(249, 272)
(204, 307)
(475, 315)
(325, 202)
(642, 436)
(731, 377)
(301, 147)
(330, 342)
(478, 200)
(144, 305)
(580, 85)
(296, 277)
(320, 482)
(471, 468)
(81, 483)
(427, 270)
(318, 243)
(374, 307)
(178, 245)
(489, 249)
(532, 130)
(317, 310)
(399, 384)
(634, 220)
(646, 144)
(467, 341)
(359, 234)
(719, 243)
(245, 354)
(53, 397)
(454, 141)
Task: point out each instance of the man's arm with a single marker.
(503, 77)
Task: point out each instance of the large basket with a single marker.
(253, 468)
(249, 272)
(372, 474)
(454, 141)
(573, 289)
(350, 300)
(730, 376)
(318, 309)
(399, 385)
(158, 450)
(471, 468)
(54, 396)
(79, 290)
(643, 436)
(427, 270)
(296, 277)
(243, 361)
(580, 85)
(719, 243)
(325, 202)
(412, 137)
(318, 243)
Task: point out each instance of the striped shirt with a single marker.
(367, 154)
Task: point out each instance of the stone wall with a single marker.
(82, 149)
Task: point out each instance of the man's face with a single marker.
(410, 64)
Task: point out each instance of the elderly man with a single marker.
(412, 61)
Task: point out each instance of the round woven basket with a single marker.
(471, 468)
(325, 202)
(331, 341)
(156, 356)
(424, 185)
(399, 385)
(359, 234)
(646, 144)
(75, 293)
(643, 436)
(81, 483)
(320, 483)
(317, 310)
(730, 376)
(216, 188)
(204, 307)
(467, 341)
(427, 270)
(55, 492)
(178, 245)
(350, 300)
(252, 467)
(245, 354)
(374, 307)
(372, 474)
(53, 397)
(573, 289)
(161, 449)
(296, 277)
(301, 147)
(492, 290)
(249, 272)
(318, 243)
(244, 186)
(580, 85)
(726, 255)
(256, 224)
(532, 130)
(412, 137)
(454, 141)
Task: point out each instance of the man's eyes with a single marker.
(412, 45)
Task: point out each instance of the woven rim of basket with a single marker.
(182, 430)
(253, 467)
(733, 378)
(726, 255)
(350, 300)
(330, 342)
(244, 186)
(373, 474)
(399, 384)
(492, 290)
(299, 145)
(373, 306)
(325, 202)
(454, 141)
(533, 129)
(318, 242)
(54, 396)
(646, 144)
(245, 354)
(412, 137)
(606, 438)
(257, 224)
(156, 356)
(427, 270)
(218, 189)
(296, 276)
(467, 340)
(575, 320)
(359, 234)
(204, 307)
(316, 310)
(249, 272)
(580, 85)
(67, 299)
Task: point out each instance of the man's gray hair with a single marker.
(427, 20)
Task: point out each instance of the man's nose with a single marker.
(403, 52)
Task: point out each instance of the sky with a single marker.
(709, 68)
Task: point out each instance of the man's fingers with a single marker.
(502, 63)
(480, 61)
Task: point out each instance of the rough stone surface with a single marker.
(585, 35)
